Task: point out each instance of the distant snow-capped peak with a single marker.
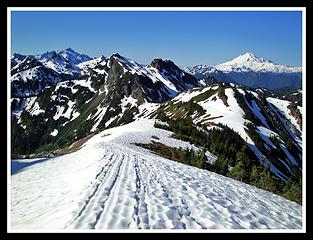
(68, 54)
(245, 59)
(63, 61)
(250, 70)
(74, 57)
(249, 62)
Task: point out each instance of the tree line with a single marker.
(234, 157)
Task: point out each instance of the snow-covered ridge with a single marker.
(168, 84)
(112, 184)
(228, 111)
(201, 69)
(90, 64)
(143, 89)
(60, 61)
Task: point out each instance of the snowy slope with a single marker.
(217, 112)
(282, 106)
(220, 104)
(90, 64)
(112, 184)
(29, 77)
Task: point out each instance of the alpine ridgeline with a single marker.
(54, 104)
(62, 96)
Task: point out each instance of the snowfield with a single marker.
(112, 184)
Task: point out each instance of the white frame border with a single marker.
(187, 9)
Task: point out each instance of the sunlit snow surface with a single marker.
(112, 184)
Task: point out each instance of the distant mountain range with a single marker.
(30, 74)
(249, 70)
(60, 97)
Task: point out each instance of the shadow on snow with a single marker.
(18, 165)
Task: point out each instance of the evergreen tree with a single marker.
(254, 176)
(203, 159)
(199, 160)
(243, 160)
(238, 172)
(293, 191)
(221, 165)
(266, 182)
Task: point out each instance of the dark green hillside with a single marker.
(234, 157)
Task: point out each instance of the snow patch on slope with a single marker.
(189, 94)
(33, 107)
(282, 106)
(99, 115)
(54, 132)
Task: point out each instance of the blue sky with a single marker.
(187, 38)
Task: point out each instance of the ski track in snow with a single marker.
(112, 184)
